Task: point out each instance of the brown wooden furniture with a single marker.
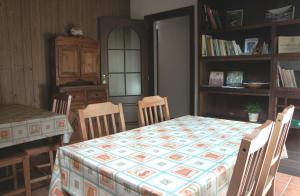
(77, 73)
(12, 159)
(101, 117)
(77, 59)
(266, 182)
(37, 150)
(62, 103)
(230, 103)
(152, 110)
(250, 158)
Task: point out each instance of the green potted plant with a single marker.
(253, 110)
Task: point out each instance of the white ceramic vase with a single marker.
(253, 117)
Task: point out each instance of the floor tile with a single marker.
(292, 190)
(280, 187)
(281, 177)
(295, 180)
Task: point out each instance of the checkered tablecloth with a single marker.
(20, 124)
(184, 156)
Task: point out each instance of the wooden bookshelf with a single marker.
(237, 58)
(230, 103)
(235, 91)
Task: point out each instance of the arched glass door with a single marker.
(124, 63)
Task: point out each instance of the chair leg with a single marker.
(51, 160)
(15, 177)
(26, 169)
(271, 191)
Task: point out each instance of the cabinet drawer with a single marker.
(96, 95)
(77, 95)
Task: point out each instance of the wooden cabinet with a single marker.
(77, 72)
(77, 61)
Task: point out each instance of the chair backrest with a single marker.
(274, 150)
(101, 117)
(62, 103)
(152, 110)
(249, 160)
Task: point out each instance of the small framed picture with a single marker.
(216, 78)
(234, 18)
(250, 45)
(234, 78)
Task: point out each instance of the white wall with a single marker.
(141, 8)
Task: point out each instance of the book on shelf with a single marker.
(288, 44)
(211, 18)
(217, 47)
(286, 78)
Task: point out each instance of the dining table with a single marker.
(189, 155)
(20, 124)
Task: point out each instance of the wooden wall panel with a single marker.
(27, 29)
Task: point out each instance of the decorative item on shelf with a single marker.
(76, 31)
(234, 78)
(265, 48)
(211, 18)
(255, 85)
(280, 14)
(288, 44)
(234, 18)
(296, 123)
(253, 110)
(250, 45)
(216, 79)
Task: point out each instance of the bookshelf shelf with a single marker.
(253, 27)
(288, 56)
(236, 58)
(230, 117)
(233, 91)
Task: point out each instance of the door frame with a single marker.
(151, 19)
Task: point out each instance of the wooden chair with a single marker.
(153, 110)
(61, 105)
(273, 154)
(247, 168)
(12, 159)
(96, 118)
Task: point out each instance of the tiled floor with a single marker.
(285, 185)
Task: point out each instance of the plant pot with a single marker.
(253, 117)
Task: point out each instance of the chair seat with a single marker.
(36, 150)
(11, 158)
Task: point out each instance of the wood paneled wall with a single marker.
(26, 30)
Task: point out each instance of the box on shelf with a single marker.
(288, 44)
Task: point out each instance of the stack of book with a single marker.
(217, 47)
(211, 18)
(287, 78)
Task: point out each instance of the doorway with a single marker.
(172, 59)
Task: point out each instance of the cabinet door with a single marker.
(90, 62)
(68, 61)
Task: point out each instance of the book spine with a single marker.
(280, 75)
(203, 42)
(211, 18)
(293, 78)
(208, 45)
(217, 19)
